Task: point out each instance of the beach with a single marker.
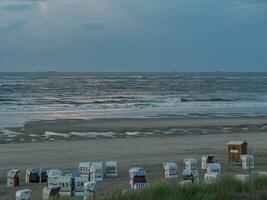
(103, 128)
(207, 136)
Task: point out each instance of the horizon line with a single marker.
(175, 71)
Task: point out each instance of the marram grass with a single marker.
(225, 189)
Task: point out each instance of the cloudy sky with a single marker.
(133, 35)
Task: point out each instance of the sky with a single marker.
(133, 35)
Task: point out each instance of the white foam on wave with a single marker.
(167, 132)
(18, 119)
(152, 102)
(9, 134)
(33, 135)
(49, 134)
(225, 129)
(132, 133)
(92, 134)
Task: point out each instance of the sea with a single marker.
(52, 95)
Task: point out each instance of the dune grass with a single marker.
(225, 189)
(2, 178)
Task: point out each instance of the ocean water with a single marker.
(174, 93)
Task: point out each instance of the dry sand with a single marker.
(148, 152)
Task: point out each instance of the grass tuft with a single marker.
(225, 189)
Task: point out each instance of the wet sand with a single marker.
(118, 124)
(78, 129)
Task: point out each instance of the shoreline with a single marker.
(18, 119)
(103, 128)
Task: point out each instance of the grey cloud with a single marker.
(136, 35)
(17, 6)
(26, 1)
(252, 2)
(20, 1)
(13, 26)
(257, 1)
(92, 26)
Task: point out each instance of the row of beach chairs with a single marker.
(84, 182)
